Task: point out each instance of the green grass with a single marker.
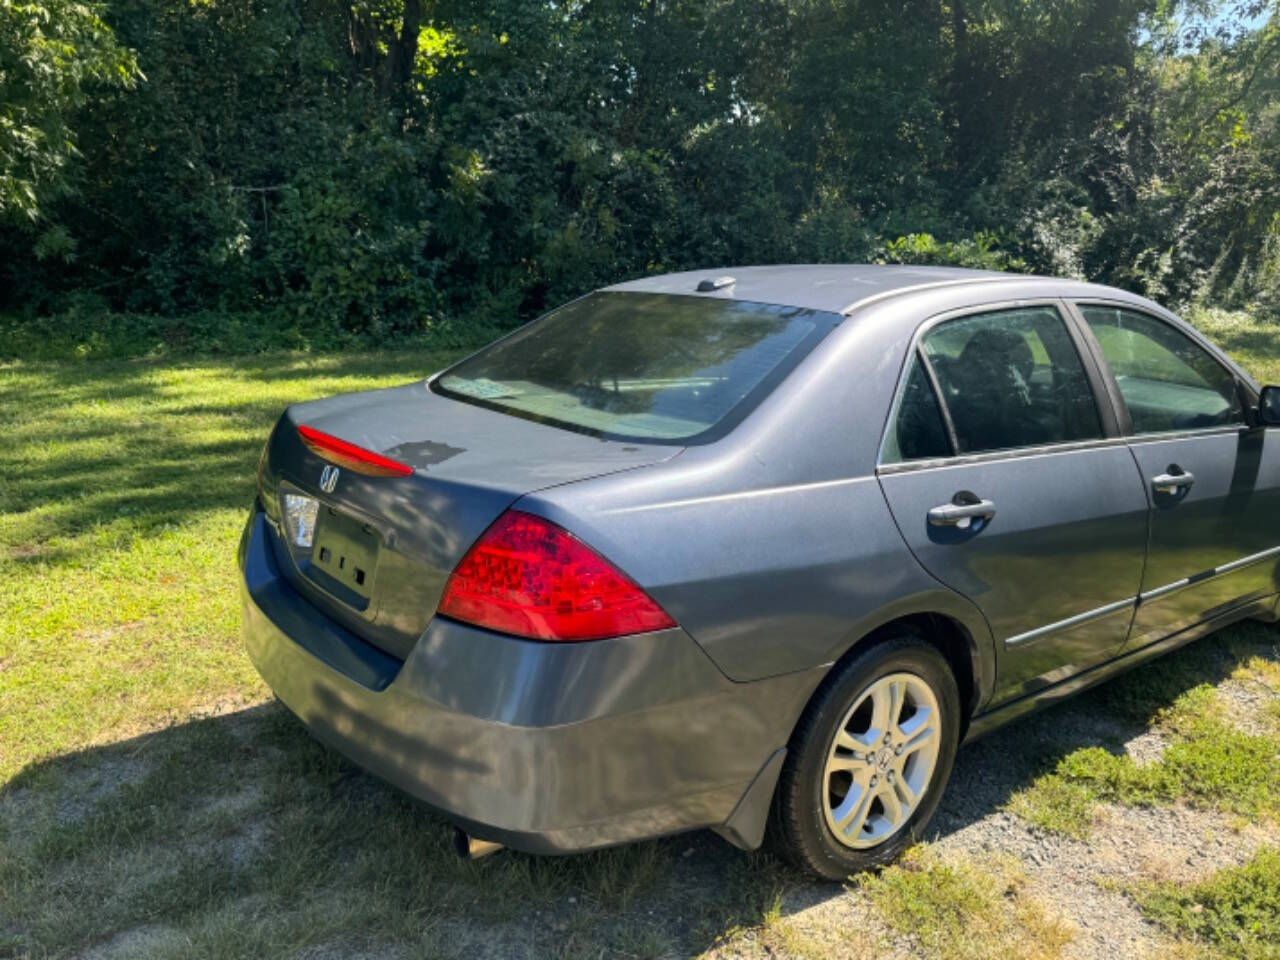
(124, 489)
(1234, 912)
(1253, 343)
(961, 909)
(154, 801)
(149, 788)
(1058, 805)
(1208, 761)
(241, 836)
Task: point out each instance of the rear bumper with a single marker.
(548, 748)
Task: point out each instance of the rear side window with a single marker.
(1168, 381)
(1012, 378)
(655, 368)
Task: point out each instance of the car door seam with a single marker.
(994, 652)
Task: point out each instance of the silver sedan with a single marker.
(700, 547)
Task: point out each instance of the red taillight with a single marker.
(529, 577)
(350, 456)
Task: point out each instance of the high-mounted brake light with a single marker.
(530, 577)
(350, 456)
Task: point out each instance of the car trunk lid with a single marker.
(383, 547)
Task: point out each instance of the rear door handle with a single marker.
(1172, 482)
(961, 514)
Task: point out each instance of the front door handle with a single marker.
(961, 514)
(1172, 482)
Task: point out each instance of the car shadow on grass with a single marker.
(1117, 716)
(239, 835)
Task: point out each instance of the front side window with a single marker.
(635, 366)
(1167, 380)
(1012, 378)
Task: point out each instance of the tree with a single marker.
(54, 56)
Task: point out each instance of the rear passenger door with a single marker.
(1011, 485)
(1213, 481)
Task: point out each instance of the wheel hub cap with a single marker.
(881, 760)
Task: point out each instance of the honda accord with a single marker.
(754, 548)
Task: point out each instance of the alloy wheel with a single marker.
(881, 760)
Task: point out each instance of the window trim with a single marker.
(948, 425)
(1165, 437)
(991, 456)
(1111, 435)
(1246, 391)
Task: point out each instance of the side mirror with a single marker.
(1269, 406)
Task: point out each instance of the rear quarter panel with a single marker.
(767, 581)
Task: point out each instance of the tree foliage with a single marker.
(55, 55)
(320, 170)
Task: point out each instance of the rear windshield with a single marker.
(656, 368)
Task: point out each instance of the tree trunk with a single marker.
(404, 52)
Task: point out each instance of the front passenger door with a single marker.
(1212, 480)
(1010, 487)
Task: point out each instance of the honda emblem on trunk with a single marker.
(328, 479)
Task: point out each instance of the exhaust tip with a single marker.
(472, 848)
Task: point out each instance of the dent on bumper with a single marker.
(548, 748)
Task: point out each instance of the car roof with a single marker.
(837, 287)
(846, 287)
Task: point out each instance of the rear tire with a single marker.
(869, 759)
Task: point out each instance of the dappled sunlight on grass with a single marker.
(144, 771)
(125, 488)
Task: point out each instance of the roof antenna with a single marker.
(719, 283)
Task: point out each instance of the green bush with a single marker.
(977, 253)
(257, 173)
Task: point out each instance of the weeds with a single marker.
(1235, 911)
